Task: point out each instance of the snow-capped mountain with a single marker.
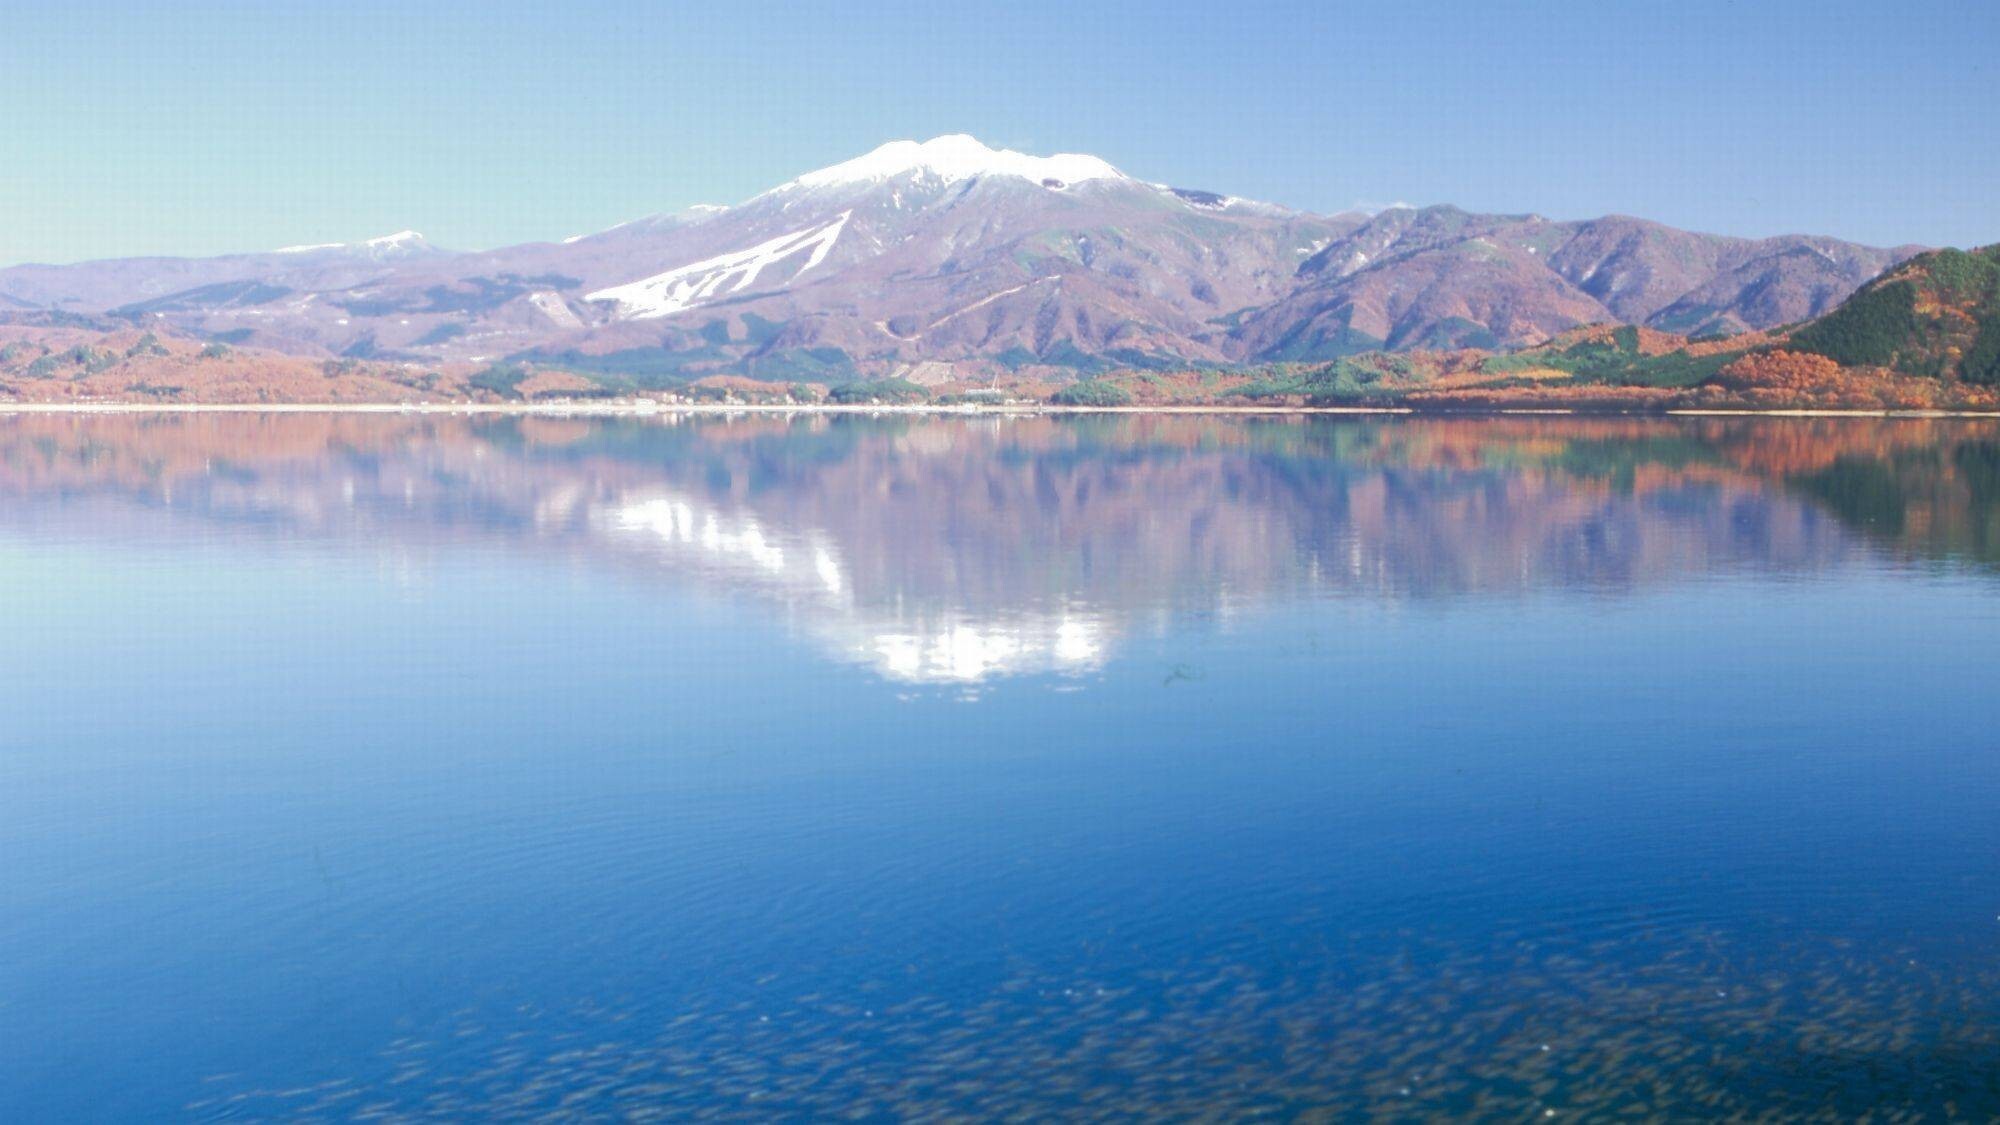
(950, 159)
(922, 257)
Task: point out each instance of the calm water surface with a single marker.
(429, 768)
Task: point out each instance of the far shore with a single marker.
(642, 409)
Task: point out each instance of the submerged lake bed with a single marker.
(417, 767)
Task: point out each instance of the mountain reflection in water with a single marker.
(435, 767)
(954, 550)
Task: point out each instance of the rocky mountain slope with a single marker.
(934, 260)
(1441, 277)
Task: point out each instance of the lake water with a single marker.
(1089, 767)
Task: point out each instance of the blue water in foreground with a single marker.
(437, 768)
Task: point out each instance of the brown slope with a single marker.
(1474, 293)
(1386, 285)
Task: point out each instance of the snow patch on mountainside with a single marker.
(685, 286)
(989, 299)
(551, 305)
(389, 243)
(957, 157)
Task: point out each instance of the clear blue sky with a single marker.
(199, 128)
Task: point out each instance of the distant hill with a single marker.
(1936, 315)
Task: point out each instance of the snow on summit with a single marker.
(957, 157)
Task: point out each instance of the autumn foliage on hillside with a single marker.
(1780, 378)
(75, 365)
(1778, 370)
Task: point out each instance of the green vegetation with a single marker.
(1065, 353)
(828, 365)
(472, 294)
(1868, 330)
(444, 331)
(1963, 277)
(1092, 392)
(1015, 358)
(709, 394)
(1982, 361)
(757, 332)
(760, 332)
(1147, 361)
(630, 368)
(148, 344)
(77, 362)
(1616, 360)
(878, 391)
(1938, 316)
(973, 397)
(231, 293)
(504, 378)
(1456, 332)
(640, 369)
(1366, 375)
(216, 351)
(1311, 339)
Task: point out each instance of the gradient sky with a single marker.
(141, 128)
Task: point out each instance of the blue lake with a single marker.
(424, 767)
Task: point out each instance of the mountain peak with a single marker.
(957, 157)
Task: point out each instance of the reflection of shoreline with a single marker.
(952, 550)
(620, 409)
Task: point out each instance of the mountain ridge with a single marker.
(948, 252)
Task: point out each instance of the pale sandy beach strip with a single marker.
(644, 409)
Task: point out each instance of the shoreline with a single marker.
(634, 409)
